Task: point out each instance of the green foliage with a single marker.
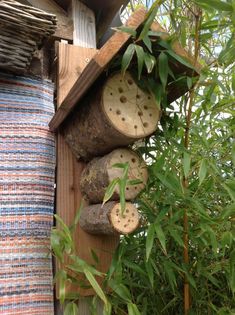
(148, 270)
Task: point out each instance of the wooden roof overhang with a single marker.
(101, 60)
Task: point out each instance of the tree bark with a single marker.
(108, 219)
(116, 115)
(100, 172)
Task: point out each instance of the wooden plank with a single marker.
(95, 67)
(105, 11)
(64, 24)
(71, 61)
(84, 25)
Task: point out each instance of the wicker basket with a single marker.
(22, 31)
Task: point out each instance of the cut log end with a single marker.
(109, 219)
(126, 222)
(137, 171)
(130, 110)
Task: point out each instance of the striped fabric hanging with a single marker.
(27, 166)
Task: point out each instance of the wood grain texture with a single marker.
(94, 69)
(69, 169)
(84, 25)
(71, 62)
(104, 10)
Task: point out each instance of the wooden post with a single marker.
(71, 62)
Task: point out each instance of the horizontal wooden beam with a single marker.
(95, 68)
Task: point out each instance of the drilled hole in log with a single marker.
(118, 112)
(145, 124)
(145, 107)
(110, 109)
(150, 115)
(131, 103)
(123, 119)
(123, 99)
(100, 172)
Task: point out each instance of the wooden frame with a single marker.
(101, 61)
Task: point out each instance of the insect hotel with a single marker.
(68, 116)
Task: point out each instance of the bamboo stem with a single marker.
(187, 300)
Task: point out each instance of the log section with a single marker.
(108, 219)
(117, 115)
(99, 173)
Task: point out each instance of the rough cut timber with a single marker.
(118, 114)
(104, 10)
(100, 172)
(101, 61)
(109, 219)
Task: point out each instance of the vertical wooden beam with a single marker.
(71, 62)
(84, 33)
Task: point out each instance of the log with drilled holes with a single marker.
(100, 172)
(117, 115)
(109, 219)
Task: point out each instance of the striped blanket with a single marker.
(27, 165)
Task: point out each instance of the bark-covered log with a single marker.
(116, 115)
(100, 172)
(108, 219)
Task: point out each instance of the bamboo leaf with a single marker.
(202, 171)
(215, 4)
(95, 286)
(110, 190)
(127, 57)
(148, 43)
(71, 309)
(161, 236)
(163, 68)
(62, 277)
(149, 61)
(121, 290)
(140, 59)
(149, 240)
(149, 269)
(150, 18)
(132, 309)
(186, 163)
(125, 29)
(176, 237)
(226, 240)
(179, 59)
